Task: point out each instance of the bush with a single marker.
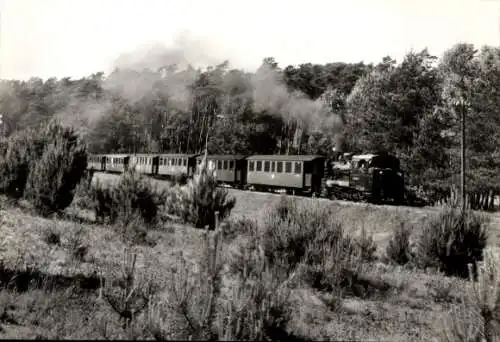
(134, 195)
(198, 201)
(21, 152)
(399, 249)
(257, 307)
(365, 245)
(236, 227)
(476, 318)
(102, 202)
(452, 240)
(53, 178)
(310, 239)
(83, 191)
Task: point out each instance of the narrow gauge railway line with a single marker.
(374, 178)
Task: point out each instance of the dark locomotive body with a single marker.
(375, 177)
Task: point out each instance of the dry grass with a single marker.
(411, 309)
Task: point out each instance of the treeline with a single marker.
(411, 109)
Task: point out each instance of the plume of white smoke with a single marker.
(272, 95)
(158, 68)
(150, 70)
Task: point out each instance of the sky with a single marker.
(75, 38)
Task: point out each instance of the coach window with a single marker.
(288, 167)
(259, 165)
(298, 167)
(231, 165)
(225, 165)
(279, 168)
(250, 166)
(273, 166)
(266, 166)
(185, 162)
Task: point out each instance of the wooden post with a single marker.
(326, 175)
(216, 220)
(462, 173)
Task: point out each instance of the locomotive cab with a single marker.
(376, 177)
(379, 176)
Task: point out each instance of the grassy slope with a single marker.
(410, 311)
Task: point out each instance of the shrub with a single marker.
(83, 191)
(133, 293)
(198, 201)
(102, 202)
(179, 202)
(133, 195)
(52, 235)
(257, 307)
(21, 152)
(399, 249)
(452, 240)
(308, 236)
(52, 179)
(236, 227)
(365, 245)
(476, 318)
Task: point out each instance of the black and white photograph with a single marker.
(216, 170)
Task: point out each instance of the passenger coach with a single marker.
(174, 165)
(229, 169)
(96, 162)
(117, 162)
(302, 173)
(143, 163)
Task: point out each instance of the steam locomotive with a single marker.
(371, 177)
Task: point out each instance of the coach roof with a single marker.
(275, 157)
(175, 155)
(222, 156)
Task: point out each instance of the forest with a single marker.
(409, 108)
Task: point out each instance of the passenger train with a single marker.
(374, 177)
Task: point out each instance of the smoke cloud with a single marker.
(159, 70)
(271, 94)
(135, 77)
